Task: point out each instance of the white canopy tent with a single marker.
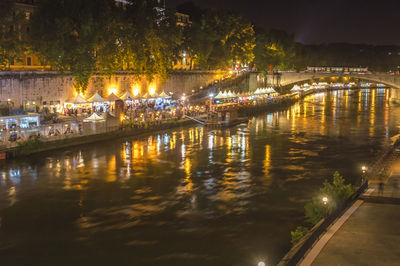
(112, 98)
(164, 95)
(78, 99)
(296, 88)
(127, 96)
(96, 98)
(94, 118)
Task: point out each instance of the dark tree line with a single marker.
(88, 36)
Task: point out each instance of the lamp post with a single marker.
(8, 105)
(183, 98)
(364, 172)
(325, 202)
(211, 99)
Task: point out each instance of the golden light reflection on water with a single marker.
(267, 161)
(226, 156)
(111, 169)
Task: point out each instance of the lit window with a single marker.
(28, 15)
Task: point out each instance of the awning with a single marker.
(78, 99)
(112, 98)
(94, 118)
(96, 98)
(127, 96)
(164, 95)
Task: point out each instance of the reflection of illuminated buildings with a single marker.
(267, 161)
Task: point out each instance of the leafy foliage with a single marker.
(276, 49)
(218, 39)
(70, 34)
(11, 46)
(298, 234)
(337, 194)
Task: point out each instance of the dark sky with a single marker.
(319, 21)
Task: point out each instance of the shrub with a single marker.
(337, 193)
(298, 234)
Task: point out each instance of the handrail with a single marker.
(195, 119)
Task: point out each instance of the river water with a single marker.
(190, 196)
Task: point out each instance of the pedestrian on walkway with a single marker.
(381, 187)
(395, 188)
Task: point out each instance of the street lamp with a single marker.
(211, 97)
(364, 169)
(325, 200)
(261, 263)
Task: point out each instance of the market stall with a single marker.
(99, 104)
(77, 105)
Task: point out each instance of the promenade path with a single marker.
(368, 233)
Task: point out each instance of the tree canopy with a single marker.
(11, 46)
(83, 37)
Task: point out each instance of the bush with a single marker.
(298, 234)
(337, 193)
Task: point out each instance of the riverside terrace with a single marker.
(97, 115)
(86, 119)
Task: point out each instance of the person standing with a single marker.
(381, 187)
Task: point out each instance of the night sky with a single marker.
(320, 21)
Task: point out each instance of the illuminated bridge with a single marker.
(288, 79)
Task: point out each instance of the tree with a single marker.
(237, 39)
(275, 48)
(218, 39)
(11, 47)
(199, 41)
(151, 39)
(70, 35)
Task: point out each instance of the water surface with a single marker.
(190, 196)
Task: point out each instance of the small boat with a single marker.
(225, 119)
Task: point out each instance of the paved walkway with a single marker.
(371, 236)
(368, 233)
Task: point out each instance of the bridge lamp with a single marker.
(261, 263)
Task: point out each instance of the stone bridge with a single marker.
(291, 78)
(288, 79)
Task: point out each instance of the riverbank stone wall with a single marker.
(52, 88)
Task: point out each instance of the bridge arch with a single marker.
(290, 79)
